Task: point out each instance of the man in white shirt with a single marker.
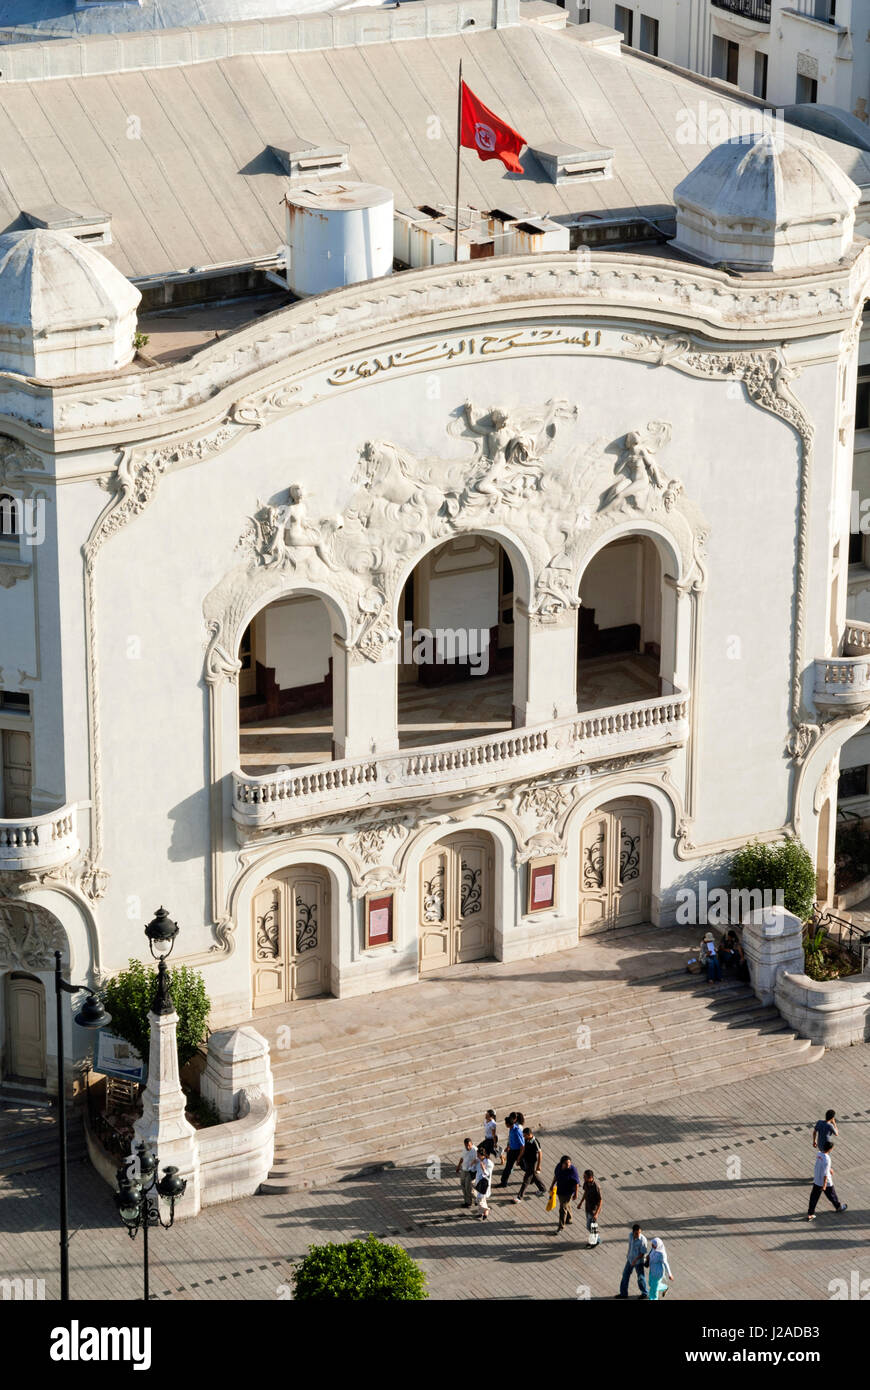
(465, 1168)
(823, 1181)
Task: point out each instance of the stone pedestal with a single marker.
(163, 1123)
(238, 1060)
(772, 941)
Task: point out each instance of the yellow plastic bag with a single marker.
(551, 1204)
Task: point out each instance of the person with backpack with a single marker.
(483, 1181)
(531, 1164)
(515, 1146)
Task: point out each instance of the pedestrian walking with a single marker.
(825, 1130)
(566, 1181)
(515, 1146)
(659, 1270)
(531, 1164)
(465, 1168)
(823, 1181)
(490, 1133)
(483, 1181)
(638, 1248)
(592, 1199)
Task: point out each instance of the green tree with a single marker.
(786, 867)
(128, 997)
(361, 1269)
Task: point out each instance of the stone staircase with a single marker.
(28, 1136)
(594, 1049)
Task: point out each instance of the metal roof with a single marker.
(179, 156)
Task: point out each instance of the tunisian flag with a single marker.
(483, 131)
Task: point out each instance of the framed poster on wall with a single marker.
(541, 896)
(379, 919)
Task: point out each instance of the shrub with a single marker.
(128, 997)
(786, 868)
(361, 1269)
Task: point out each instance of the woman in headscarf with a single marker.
(659, 1269)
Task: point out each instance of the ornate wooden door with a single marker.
(291, 936)
(456, 901)
(615, 866)
(25, 998)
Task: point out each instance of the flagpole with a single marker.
(458, 148)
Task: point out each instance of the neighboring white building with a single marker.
(610, 452)
(811, 51)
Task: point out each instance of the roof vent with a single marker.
(569, 164)
(305, 160)
(88, 224)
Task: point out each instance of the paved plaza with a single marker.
(723, 1175)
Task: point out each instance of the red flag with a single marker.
(483, 131)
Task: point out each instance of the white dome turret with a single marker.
(64, 309)
(758, 203)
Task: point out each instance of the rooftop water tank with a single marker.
(338, 234)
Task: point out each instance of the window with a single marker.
(726, 59)
(856, 548)
(15, 700)
(759, 86)
(853, 782)
(10, 517)
(862, 398)
(622, 20)
(649, 35)
(807, 89)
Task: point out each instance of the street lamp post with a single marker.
(134, 1199)
(139, 1191)
(90, 1015)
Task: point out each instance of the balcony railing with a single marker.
(759, 10)
(843, 682)
(280, 798)
(857, 639)
(40, 842)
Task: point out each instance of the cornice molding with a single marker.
(326, 329)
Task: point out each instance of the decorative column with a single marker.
(163, 1124)
(365, 702)
(545, 665)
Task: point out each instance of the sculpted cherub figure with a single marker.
(642, 482)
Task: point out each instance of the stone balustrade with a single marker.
(282, 797)
(843, 682)
(40, 842)
(857, 639)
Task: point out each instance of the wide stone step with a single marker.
(590, 995)
(309, 1168)
(615, 1087)
(373, 1068)
(417, 1077)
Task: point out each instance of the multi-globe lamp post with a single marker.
(91, 1015)
(139, 1190)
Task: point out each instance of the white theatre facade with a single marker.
(631, 472)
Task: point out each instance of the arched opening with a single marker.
(456, 617)
(286, 686)
(291, 936)
(24, 1054)
(616, 850)
(456, 916)
(625, 626)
